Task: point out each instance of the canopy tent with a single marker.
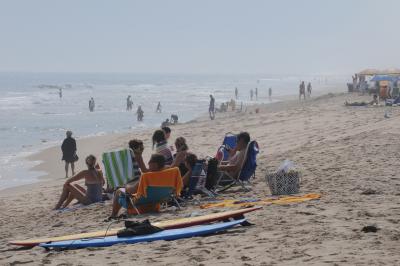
(372, 72)
(369, 72)
(385, 78)
(391, 71)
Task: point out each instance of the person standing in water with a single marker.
(256, 92)
(236, 93)
(309, 89)
(91, 104)
(60, 92)
(158, 110)
(129, 103)
(302, 90)
(251, 94)
(140, 113)
(211, 108)
(68, 149)
(270, 93)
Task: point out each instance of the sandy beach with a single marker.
(348, 154)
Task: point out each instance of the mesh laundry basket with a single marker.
(284, 183)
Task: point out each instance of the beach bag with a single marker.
(212, 174)
(133, 228)
(198, 179)
(285, 181)
(75, 157)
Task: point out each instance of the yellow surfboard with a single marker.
(258, 202)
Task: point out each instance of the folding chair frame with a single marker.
(235, 181)
(171, 197)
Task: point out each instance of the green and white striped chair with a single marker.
(119, 168)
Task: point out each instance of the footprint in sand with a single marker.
(245, 258)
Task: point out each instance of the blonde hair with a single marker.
(91, 161)
(180, 144)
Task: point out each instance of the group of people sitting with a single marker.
(225, 105)
(162, 159)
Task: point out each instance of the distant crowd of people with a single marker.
(174, 118)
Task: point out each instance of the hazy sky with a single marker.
(215, 36)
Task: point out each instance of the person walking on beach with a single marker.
(302, 90)
(251, 94)
(91, 104)
(158, 110)
(256, 93)
(211, 108)
(140, 113)
(236, 93)
(270, 93)
(68, 149)
(309, 89)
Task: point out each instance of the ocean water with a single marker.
(33, 116)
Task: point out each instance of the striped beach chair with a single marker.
(119, 168)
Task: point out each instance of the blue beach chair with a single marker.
(247, 169)
(198, 180)
(229, 141)
(155, 195)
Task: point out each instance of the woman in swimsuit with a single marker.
(180, 155)
(94, 182)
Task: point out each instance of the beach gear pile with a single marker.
(286, 180)
(136, 231)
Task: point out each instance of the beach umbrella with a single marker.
(369, 72)
(391, 71)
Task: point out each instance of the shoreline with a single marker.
(43, 170)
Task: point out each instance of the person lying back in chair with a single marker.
(156, 164)
(236, 156)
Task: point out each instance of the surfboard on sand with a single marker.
(169, 224)
(171, 234)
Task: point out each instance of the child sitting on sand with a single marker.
(94, 182)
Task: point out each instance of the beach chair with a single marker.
(247, 170)
(156, 188)
(198, 180)
(229, 142)
(119, 168)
